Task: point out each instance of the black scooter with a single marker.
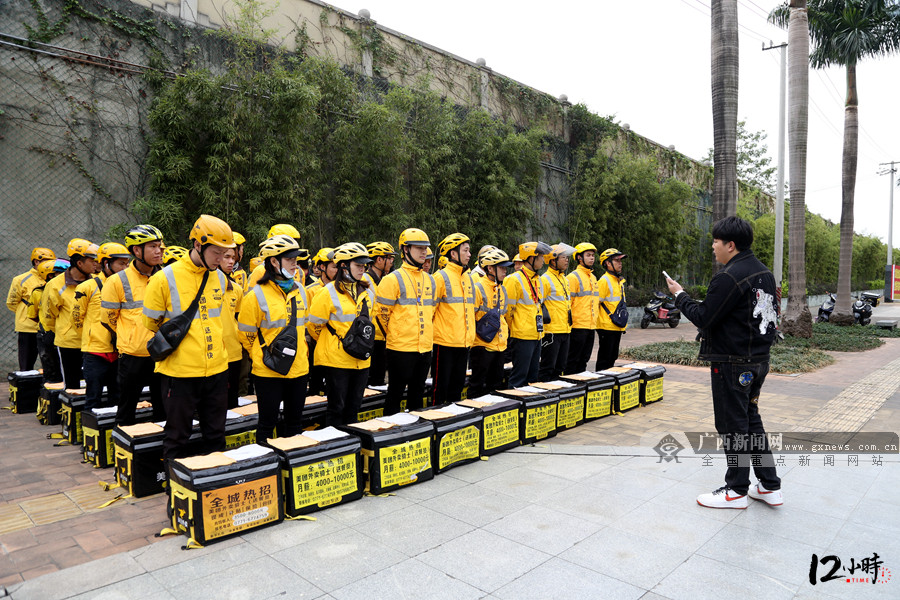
(862, 308)
(660, 309)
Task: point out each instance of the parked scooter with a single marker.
(660, 309)
(862, 308)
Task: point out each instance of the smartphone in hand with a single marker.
(666, 275)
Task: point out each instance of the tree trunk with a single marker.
(797, 320)
(843, 315)
(724, 106)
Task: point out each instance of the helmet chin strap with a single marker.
(202, 257)
(407, 257)
(80, 270)
(141, 259)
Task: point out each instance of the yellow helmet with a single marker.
(324, 255)
(212, 230)
(303, 255)
(284, 229)
(173, 253)
(112, 250)
(255, 262)
(141, 234)
(584, 247)
(238, 238)
(611, 253)
(279, 245)
(42, 254)
(485, 249)
(454, 240)
(380, 249)
(442, 261)
(45, 268)
(352, 251)
(495, 257)
(414, 237)
(529, 249)
(557, 250)
(92, 251)
(517, 258)
(78, 246)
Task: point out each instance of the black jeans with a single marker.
(49, 357)
(448, 370)
(316, 373)
(270, 393)
(136, 373)
(735, 391)
(487, 371)
(99, 372)
(234, 378)
(608, 348)
(581, 342)
(526, 360)
(184, 396)
(28, 350)
(554, 356)
(378, 366)
(70, 359)
(406, 372)
(344, 388)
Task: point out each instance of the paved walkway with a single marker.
(590, 513)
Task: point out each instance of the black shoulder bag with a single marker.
(619, 317)
(280, 353)
(488, 326)
(360, 338)
(172, 332)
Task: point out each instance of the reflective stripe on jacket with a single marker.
(339, 310)
(95, 338)
(379, 333)
(122, 301)
(169, 293)
(585, 298)
(57, 305)
(521, 289)
(611, 291)
(404, 303)
(19, 299)
(558, 301)
(488, 295)
(267, 308)
(454, 313)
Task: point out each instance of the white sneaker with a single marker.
(723, 497)
(770, 497)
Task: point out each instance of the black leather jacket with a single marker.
(737, 319)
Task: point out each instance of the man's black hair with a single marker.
(734, 229)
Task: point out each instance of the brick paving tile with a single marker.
(43, 569)
(92, 541)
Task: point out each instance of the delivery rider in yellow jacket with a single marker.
(279, 229)
(122, 301)
(194, 374)
(611, 287)
(18, 300)
(99, 357)
(172, 253)
(454, 320)
(234, 293)
(585, 307)
(558, 300)
(238, 273)
(486, 355)
(47, 270)
(524, 314)
(404, 306)
(383, 256)
(58, 304)
(266, 311)
(330, 317)
(323, 263)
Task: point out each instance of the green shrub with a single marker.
(784, 358)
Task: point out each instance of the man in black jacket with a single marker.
(737, 324)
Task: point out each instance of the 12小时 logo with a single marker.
(870, 569)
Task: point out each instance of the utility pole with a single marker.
(889, 269)
(778, 268)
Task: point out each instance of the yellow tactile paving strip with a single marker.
(13, 518)
(54, 508)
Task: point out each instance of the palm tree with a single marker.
(797, 320)
(724, 106)
(843, 32)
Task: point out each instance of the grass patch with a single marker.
(783, 359)
(854, 338)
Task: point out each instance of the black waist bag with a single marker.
(619, 317)
(279, 354)
(172, 332)
(359, 341)
(487, 327)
